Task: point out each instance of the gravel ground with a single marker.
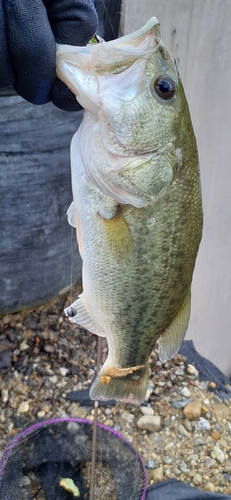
(183, 430)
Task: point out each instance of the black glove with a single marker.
(29, 30)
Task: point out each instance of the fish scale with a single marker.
(137, 203)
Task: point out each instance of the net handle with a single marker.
(94, 437)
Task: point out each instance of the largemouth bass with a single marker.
(137, 203)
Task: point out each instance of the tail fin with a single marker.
(127, 389)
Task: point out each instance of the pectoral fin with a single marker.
(79, 313)
(170, 341)
(117, 234)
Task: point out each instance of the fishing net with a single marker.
(35, 461)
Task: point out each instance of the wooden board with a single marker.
(38, 250)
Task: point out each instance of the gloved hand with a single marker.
(29, 30)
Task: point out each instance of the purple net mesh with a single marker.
(35, 461)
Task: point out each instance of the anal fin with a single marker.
(171, 339)
(117, 235)
(79, 313)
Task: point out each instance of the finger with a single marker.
(31, 46)
(63, 98)
(73, 22)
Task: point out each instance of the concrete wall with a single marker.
(199, 35)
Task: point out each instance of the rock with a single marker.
(49, 371)
(149, 422)
(49, 348)
(209, 487)
(193, 410)
(169, 445)
(222, 443)
(167, 460)
(77, 411)
(109, 423)
(203, 425)
(149, 390)
(45, 336)
(227, 475)
(128, 417)
(128, 437)
(46, 408)
(2, 418)
(182, 430)
(107, 411)
(117, 427)
(147, 410)
(150, 464)
(73, 427)
(5, 359)
(185, 392)
(29, 334)
(53, 379)
(30, 322)
(227, 467)
(229, 426)
(197, 479)
(192, 370)
(199, 441)
(218, 454)
(156, 391)
(41, 413)
(212, 385)
(5, 395)
(157, 474)
(183, 467)
(23, 407)
(179, 372)
(78, 387)
(194, 456)
(180, 404)
(25, 481)
(23, 346)
(209, 462)
(215, 435)
(188, 425)
(63, 371)
(13, 334)
(53, 336)
(16, 352)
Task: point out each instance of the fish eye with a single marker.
(165, 87)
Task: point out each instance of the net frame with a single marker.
(42, 424)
